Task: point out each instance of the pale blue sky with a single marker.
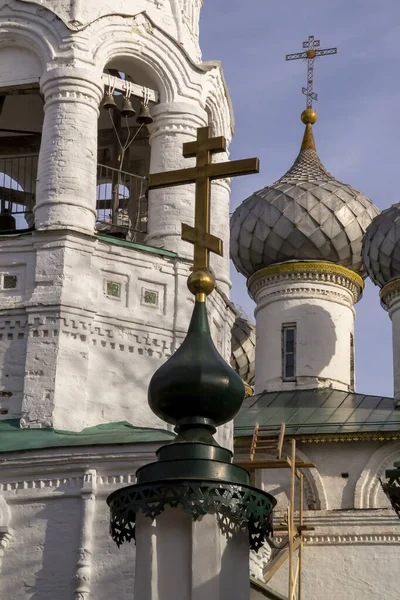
(357, 133)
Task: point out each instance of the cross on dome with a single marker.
(312, 52)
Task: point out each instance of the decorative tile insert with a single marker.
(113, 290)
(10, 282)
(150, 297)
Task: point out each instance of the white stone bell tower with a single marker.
(92, 266)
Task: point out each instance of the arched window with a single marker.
(21, 120)
(124, 152)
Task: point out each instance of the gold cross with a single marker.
(310, 54)
(202, 175)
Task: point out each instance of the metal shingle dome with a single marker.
(381, 247)
(306, 215)
(243, 349)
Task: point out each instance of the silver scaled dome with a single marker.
(243, 349)
(306, 215)
(381, 247)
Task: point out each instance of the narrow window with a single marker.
(288, 352)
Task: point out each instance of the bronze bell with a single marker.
(109, 102)
(7, 221)
(127, 110)
(144, 117)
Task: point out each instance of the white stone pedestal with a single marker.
(177, 557)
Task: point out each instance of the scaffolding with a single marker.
(270, 440)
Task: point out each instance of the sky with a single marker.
(357, 133)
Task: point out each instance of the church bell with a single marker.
(109, 102)
(127, 110)
(7, 221)
(144, 117)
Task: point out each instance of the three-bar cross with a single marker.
(202, 175)
(310, 55)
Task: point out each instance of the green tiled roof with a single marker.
(318, 411)
(14, 439)
(120, 242)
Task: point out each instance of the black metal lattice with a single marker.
(392, 491)
(236, 506)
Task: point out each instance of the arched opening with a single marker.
(124, 151)
(21, 121)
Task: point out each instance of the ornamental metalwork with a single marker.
(236, 507)
(312, 51)
(391, 487)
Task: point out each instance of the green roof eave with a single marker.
(15, 439)
(265, 590)
(142, 247)
(321, 413)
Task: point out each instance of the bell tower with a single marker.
(92, 265)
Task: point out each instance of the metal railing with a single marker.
(121, 203)
(18, 187)
(121, 197)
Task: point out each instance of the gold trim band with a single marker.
(306, 267)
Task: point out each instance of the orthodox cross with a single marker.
(310, 55)
(202, 175)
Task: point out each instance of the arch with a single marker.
(313, 485)
(155, 54)
(216, 99)
(368, 485)
(21, 26)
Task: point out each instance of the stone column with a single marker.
(66, 186)
(174, 124)
(190, 560)
(390, 296)
(84, 563)
(317, 299)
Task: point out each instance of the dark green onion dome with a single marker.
(196, 385)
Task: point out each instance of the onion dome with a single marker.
(196, 385)
(306, 215)
(381, 247)
(243, 349)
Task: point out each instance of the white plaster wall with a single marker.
(179, 18)
(350, 553)
(352, 571)
(73, 356)
(324, 316)
(326, 487)
(191, 560)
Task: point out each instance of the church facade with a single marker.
(94, 97)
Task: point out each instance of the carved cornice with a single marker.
(300, 292)
(349, 539)
(320, 438)
(301, 272)
(390, 292)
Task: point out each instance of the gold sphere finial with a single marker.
(309, 116)
(201, 283)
